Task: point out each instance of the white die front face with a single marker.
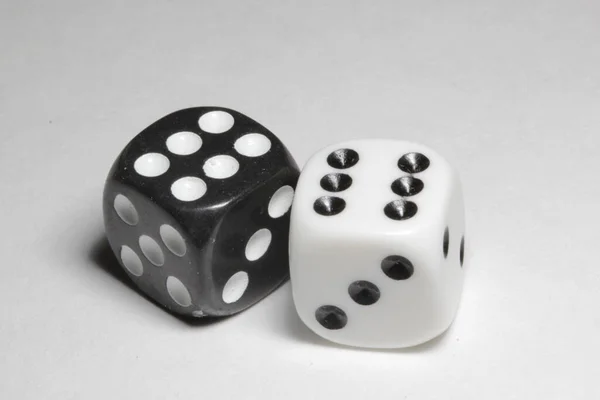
(368, 273)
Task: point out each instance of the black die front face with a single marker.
(204, 172)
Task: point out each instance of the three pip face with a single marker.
(198, 210)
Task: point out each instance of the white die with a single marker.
(377, 244)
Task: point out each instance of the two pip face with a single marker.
(198, 210)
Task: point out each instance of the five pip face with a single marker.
(197, 210)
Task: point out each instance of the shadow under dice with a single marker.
(196, 209)
(377, 244)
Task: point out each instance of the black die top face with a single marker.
(195, 163)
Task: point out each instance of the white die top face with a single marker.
(382, 186)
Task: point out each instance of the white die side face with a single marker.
(368, 262)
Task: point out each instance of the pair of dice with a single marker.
(198, 210)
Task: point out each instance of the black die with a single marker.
(196, 209)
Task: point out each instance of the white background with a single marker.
(508, 91)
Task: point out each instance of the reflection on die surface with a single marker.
(197, 208)
(377, 238)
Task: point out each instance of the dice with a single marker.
(377, 239)
(196, 208)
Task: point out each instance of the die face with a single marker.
(155, 251)
(206, 173)
(199, 161)
(452, 264)
(392, 282)
(373, 171)
(250, 252)
(406, 308)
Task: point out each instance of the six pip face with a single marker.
(376, 243)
